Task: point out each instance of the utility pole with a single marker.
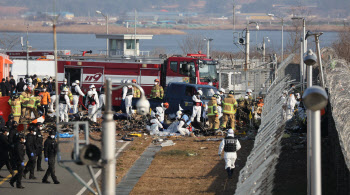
(247, 39)
(135, 36)
(234, 16)
(107, 52)
(27, 44)
(317, 36)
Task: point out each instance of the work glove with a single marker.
(32, 154)
(22, 164)
(46, 159)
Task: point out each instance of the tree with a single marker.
(192, 44)
(8, 41)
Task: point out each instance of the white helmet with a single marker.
(77, 81)
(92, 86)
(217, 92)
(178, 113)
(248, 91)
(128, 81)
(200, 92)
(222, 90)
(65, 80)
(230, 132)
(90, 93)
(29, 80)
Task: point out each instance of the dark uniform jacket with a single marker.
(50, 148)
(39, 142)
(19, 152)
(4, 147)
(30, 144)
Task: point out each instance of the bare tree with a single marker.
(192, 44)
(342, 45)
(8, 41)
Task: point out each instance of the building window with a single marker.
(130, 44)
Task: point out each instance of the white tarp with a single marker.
(40, 68)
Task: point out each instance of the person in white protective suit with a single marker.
(155, 124)
(76, 92)
(160, 110)
(102, 98)
(197, 106)
(93, 89)
(29, 84)
(64, 104)
(185, 121)
(128, 93)
(230, 145)
(92, 104)
(53, 100)
(291, 101)
(284, 104)
(222, 94)
(218, 102)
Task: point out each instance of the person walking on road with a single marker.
(230, 145)
(19, 158)
(30, 150)
(39, 145)
(50, 151)
(76, 92)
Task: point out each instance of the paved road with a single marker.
(69, 185)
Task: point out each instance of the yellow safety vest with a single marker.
(211, 104)
(15, 107)
(157, 92)
(229, 105)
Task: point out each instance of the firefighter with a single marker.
(45, 100)
(50, 151)
(197, 106)
(157, 91)
(4, 151)
(31, 153)
(39, 145)
(25, 100)
(213, 115)
(229, 109)
(64, 85)
(92, 105)
(37, 106)
(19, 158)
(76, 92)
(230, 145)
(127, 97)
(64, 104)
(137, 92)
(15, 104)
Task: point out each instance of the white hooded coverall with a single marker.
(196, 109)
(291, 101)
(64, 107)
(155, 125)
(180, 128)
(127, 96)
(92, 108)
(230, 157)
(76, 97)
(53, 100)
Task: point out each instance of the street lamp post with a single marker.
(264, 47)
(247, 44)
(106, 17)
(302, 66)
(318, 50)
(282, 20)
(208, 41)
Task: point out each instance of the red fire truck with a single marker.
(193, 68)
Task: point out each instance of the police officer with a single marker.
(30, 150)
(2, 120)
(19, 158)
(4, 151)
(157, 91)
(39, 145)
(230, 145)
(50, 151)
(229, 109)
(213, 114)
(13, 139)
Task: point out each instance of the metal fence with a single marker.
(257, 176)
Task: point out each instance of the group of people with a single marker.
(14, 145)
(290, 100)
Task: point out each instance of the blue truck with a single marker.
(177, 93)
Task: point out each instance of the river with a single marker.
(222, 41)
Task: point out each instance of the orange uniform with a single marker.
(46, 99)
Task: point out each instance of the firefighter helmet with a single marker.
(166, 105)
(156, 80)
(232, 92)
(134, 80)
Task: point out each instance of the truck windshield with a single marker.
(207, 71)
(208, 93)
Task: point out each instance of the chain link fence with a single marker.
(257, 176)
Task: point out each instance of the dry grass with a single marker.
(174, 171)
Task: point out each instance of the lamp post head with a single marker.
(315, 98)
(310, 59)
(271, 15)
(98, 12)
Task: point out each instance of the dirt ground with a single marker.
(192, 166)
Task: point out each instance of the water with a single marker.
(222, 41)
